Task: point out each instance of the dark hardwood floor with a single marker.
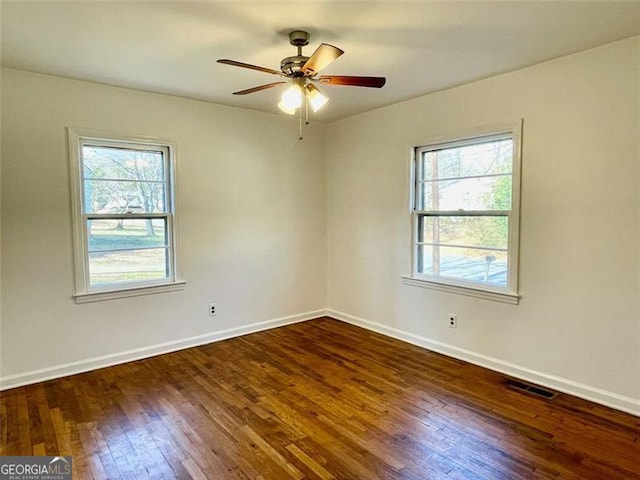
(320, 399)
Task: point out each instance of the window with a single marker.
(124, 215)
(466, 214)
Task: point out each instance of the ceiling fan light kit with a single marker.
(302, 73)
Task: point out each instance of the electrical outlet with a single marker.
(212, 310)
(453, 320)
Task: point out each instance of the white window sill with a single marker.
(511, 298)
(129, 292)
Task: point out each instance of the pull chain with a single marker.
(300, 137)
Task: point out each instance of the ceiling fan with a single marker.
(302, 74)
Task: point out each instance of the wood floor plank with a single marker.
(315, 400)
(310, 462)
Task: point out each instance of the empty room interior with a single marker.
(324, 240)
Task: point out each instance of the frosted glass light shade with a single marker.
(316, 99)
(291, 99)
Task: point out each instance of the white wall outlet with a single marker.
(213, 309)
(453, 320)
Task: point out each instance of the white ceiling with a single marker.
(421, 47)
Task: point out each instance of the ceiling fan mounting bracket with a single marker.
(299, 38)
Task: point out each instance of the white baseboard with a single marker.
(587, 392)
(49, 373)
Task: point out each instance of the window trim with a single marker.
(510, 293)
(77, 137)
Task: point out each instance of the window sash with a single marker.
(169, 276)
(419, 254)
(133, 146)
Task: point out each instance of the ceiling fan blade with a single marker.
(323, 56)
(374, 82)
(257, 89)
(226, 61)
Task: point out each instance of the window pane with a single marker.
(487, 193)
(128, 266)
(126, 233)
(488, 158)
(107, 196)
(489, 232)
(123, 164)
(468, 264)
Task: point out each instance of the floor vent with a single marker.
(532, 389)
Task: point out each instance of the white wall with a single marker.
(252, 216)
(578, 324)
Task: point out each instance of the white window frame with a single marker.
(510, 293)
(84, 292)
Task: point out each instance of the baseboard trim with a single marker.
(81, 366)
(587, 392)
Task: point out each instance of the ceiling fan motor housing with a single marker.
(292, 65)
